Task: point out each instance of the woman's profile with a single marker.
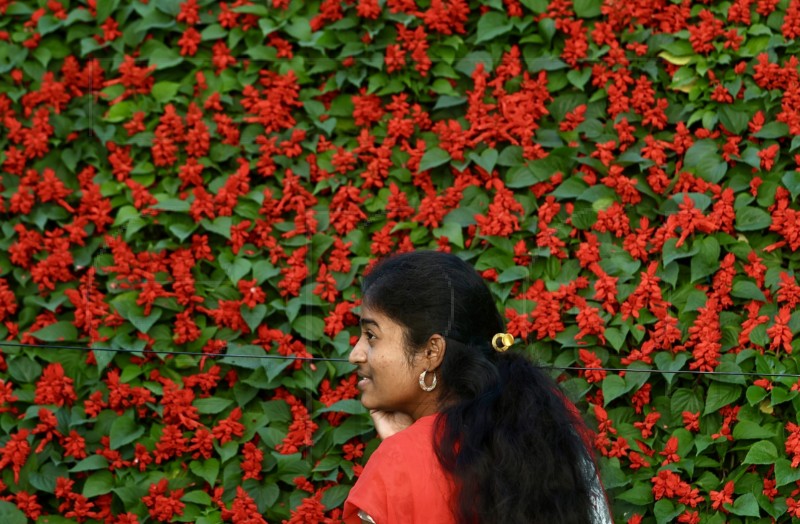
(471, 433)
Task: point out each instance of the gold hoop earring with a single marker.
(422, 383)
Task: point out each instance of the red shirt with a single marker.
(403, 482)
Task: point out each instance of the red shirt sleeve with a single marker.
(403, 482)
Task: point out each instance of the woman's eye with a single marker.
(369, 335)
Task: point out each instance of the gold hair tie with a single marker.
(502, 341)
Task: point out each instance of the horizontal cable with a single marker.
(157, 352)
(668, 372)
(341, 359)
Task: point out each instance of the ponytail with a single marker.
(516, 448)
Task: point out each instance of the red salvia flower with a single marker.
(201, 444)
(251, 465)
(446, 16)
(163, 505)
(301, 429)
(15, 452)
(646, 426)
(28, 504)
(243, 509)
(229, 427)
(780, 333)
(135, 79)
(54, 387)
(590, 360)
(724, 496)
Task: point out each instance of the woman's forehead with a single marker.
(374, 317)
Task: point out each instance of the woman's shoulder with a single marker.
(403, 480)
(417, 436)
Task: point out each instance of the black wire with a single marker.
(690, 371)
(341, 359)
(157, 352)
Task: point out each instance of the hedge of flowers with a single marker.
(210, 178)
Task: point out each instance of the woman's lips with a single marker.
(363, 380)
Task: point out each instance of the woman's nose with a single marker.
(357, 354)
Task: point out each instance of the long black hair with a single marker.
(507, 435)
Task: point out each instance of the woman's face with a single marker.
(387, 380)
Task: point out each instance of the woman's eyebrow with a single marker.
(363, 321)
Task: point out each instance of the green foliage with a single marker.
(212, 183)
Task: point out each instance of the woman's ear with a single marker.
(434, 352)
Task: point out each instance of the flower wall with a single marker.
(210, 178)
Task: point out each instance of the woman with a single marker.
(472, 433)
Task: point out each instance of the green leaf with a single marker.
(668, 362)
(755, 395)
(165, 91)
(513, 273)
(520, 176)
(729, 372)
(24, 370)
(335, 496)
(212, 405)
(254, 316)
(772, 130)
(126, 307)
(235, 267)
(640, 495)
(665, 511)
(791, 181)
(733, 119)
(433, 158)
(120, 112)
(487, 159)
(614, 386)
(762, 452)
(785, 473)
(615, 337)
(671, 252)
(510, 156)
(704, 159)
(351, 427)
(310, 327)
(747, 290)
(467, 64)
(587, 8)
(198, 497)
(752, 219)
(491, 25)
(90, 463)
(220, 226)
(299, 29)
(245, 356)
(10, 514)
(583, 216)
(263, 270)
(106, 9)
(172, 204)
(721, 394)
(125, 430)
(265, 496)
(349, 406)
(98, 483)
(206, 470)
(706, 261)
(684, 399)
(57, 332)
(537, 6)
(160, 55)
(746, 429)
(452, 231)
